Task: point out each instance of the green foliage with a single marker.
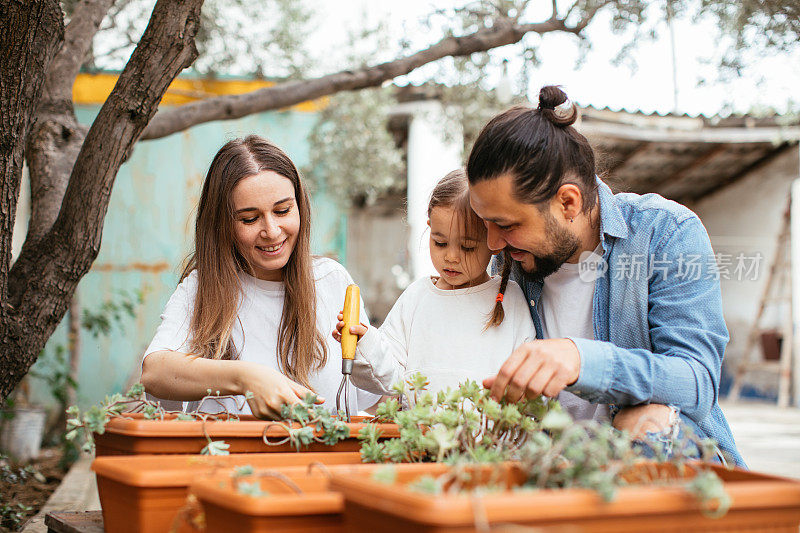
(427, 485)
(710, 491)
(772, 23)
(301, 437)
(244, 470)
(306, 423)
(13, 515)
(111, 313)
(388, 409)
(354, 157)
(54, 369)
(251, 489)
(227, 42)
(216, 447)
(385, 474)
(82, 425)
(465, 425)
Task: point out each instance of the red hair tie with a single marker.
(499, 297)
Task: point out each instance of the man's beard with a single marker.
(565, 244)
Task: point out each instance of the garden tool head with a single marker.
(351, 306)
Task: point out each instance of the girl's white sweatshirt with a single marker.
(443, 335)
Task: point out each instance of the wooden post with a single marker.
(794, 364)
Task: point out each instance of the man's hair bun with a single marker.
(556, 107)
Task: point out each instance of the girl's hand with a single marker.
(270, 389)
(358, 330)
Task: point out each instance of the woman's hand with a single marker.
(270, 389)
(358, 330)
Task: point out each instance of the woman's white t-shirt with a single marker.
(443, 335)
(255, 333)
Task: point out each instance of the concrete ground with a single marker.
(77, 492)
(768, 438)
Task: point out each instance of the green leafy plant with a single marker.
(465, 425)
(12, 515)
(101, 321)
(306, 422)
(216, 447)
(83, 424)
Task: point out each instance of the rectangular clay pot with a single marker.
(316, 509)
(760, 503)
(144, 493)
(135, 435)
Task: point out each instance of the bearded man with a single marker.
(626, 330)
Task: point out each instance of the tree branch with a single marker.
(56, 138)
(44, 277)
(587, 18)
(176, 119)
(78, 37)
(30, 32)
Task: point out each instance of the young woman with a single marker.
(250, 310)
(462, 325)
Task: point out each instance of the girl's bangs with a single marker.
(469, 223)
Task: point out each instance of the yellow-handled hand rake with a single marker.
(349, 340)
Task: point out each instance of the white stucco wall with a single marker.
(745, 218)
(431, 155)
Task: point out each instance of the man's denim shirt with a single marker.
(657, 314)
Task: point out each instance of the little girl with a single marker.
(462, 325)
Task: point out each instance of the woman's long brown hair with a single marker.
(301, 347)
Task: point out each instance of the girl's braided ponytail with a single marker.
(498, 313)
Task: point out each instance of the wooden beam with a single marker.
(756, 165)
(621, 162)
(680, 174)
(775, 135)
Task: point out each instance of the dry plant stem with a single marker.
(322, 467)
(481, 521)
(283, 479)
(274, 443)
(220, 403)
(186, 514)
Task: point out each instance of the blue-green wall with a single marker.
(149, 230)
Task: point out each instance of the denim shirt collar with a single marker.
(612, 223)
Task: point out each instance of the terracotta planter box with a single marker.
(144, 493)
(316, 509)
(760, 503)
(136, 435)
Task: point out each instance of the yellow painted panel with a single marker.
(95, 88)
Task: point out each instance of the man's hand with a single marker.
(536, 368)
(639, 420)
